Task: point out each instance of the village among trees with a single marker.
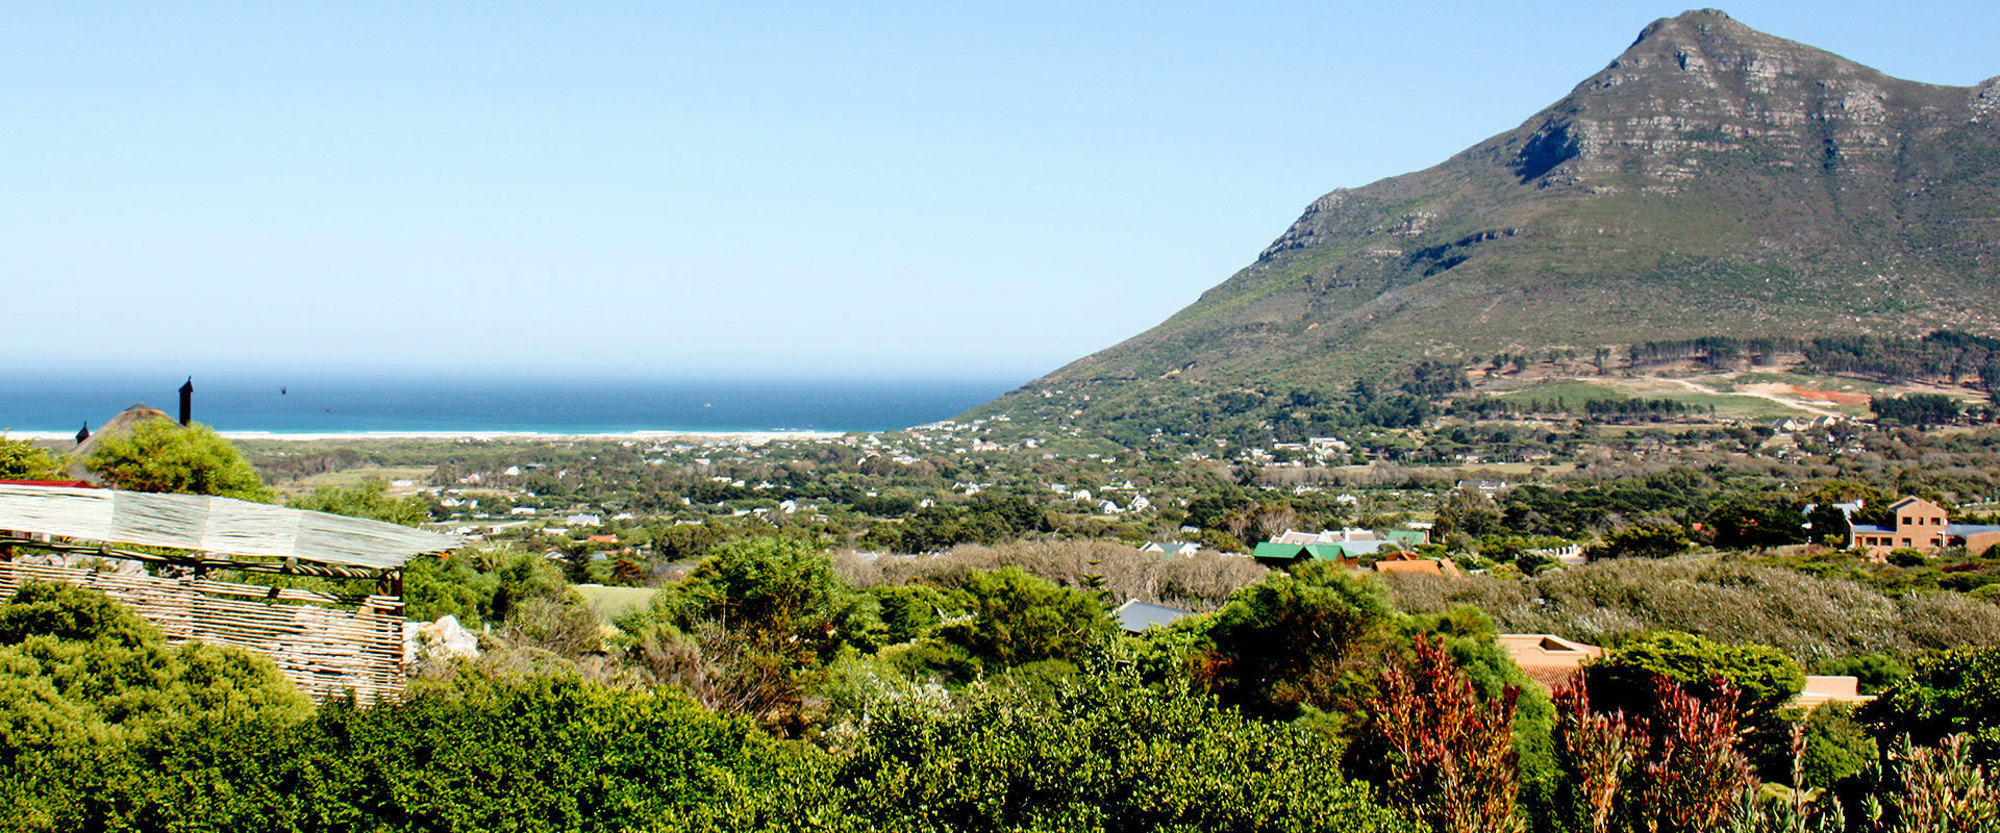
(957, 627)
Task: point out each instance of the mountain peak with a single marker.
(1712, 180)
(1700, 21)
(1707, 40)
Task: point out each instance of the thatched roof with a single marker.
(120, 424)
(222, 526)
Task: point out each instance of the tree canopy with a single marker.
(161, 456)
(23, 460)
(1294, 640)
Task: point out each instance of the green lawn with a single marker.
(1730, 405)
(1568, 390)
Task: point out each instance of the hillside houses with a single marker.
(1383, 551)
(1923, 526)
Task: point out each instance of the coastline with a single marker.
(750, 437)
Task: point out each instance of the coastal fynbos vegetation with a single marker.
(765, 692)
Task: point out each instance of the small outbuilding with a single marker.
(330, 644)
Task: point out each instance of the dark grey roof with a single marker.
(1136, 616)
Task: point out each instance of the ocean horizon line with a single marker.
(388, 409)
(746, 435)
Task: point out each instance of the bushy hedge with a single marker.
(1103, 754)
(104, 727)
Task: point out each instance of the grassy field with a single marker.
(348, 478)
(1568, 390)
(609, 602)
(1730, 405)
(1727, 405)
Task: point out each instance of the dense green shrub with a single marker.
(1947, 693)
(1103, 754)
(66, 612)
(1294, 641)
(159, 455)
(1837, 747)
(750, 630)
(914, 611)
(23, 460)
(1761, 678)
(87, 689)
(1015, 618)
(547, 753)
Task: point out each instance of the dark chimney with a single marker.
(83, 433)
(187, 401)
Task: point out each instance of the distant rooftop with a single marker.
(1136, 616)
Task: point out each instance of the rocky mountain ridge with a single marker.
(1712, 180)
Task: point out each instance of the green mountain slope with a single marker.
(1712, 180)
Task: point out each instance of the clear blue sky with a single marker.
(955, 189)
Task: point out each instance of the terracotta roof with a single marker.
(1424, 565)
(1820, 690)
(1546, 658)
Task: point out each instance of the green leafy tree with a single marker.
(1948, 693)
(23, 460)
(1295, 640)
(751, 629)
(1016, 618)
(452, 585)
(1757, 521)
(1469, 511)
(1650, 539)
(1758, 679)
(914, 611)
(1922, 410)
(162, 456)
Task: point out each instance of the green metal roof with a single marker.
(1267, 549)
(1326, 551)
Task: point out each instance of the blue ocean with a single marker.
(308, 405)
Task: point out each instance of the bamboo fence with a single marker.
(328, 652)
